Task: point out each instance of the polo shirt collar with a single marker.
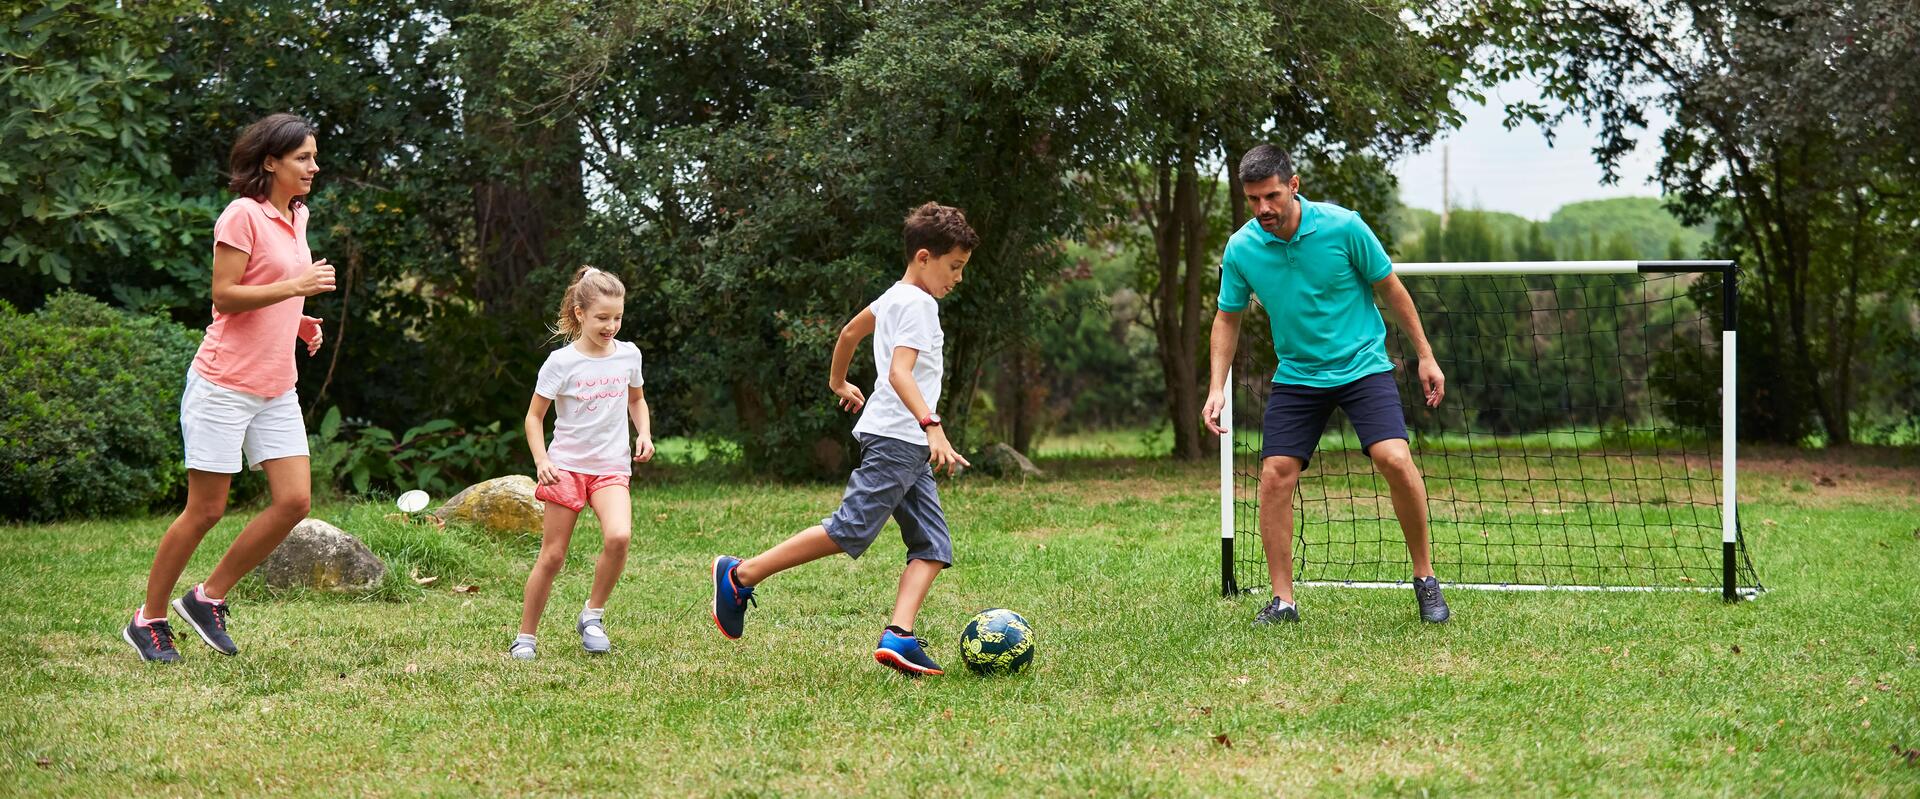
(274, 213)
(1309, 222)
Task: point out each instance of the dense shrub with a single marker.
(89, 409)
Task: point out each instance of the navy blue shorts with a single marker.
(1297, 415)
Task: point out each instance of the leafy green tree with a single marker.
(1794, 122)
(87, 195)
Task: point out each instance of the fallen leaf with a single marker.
(1863, 701)
(1736, 649)
(1880, 686)
(1242, 680)
(44, 762)
(1769, 522)
(466, 589)
(1866, 724)
(1223, 740)
(1912, 756)
(659, 517)
(1339, 770)
(1826, 481)
(413, 668)
(425, 580)
(1206, 711)
(1686, 579)
(947, 714)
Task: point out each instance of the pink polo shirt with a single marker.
(252, 351)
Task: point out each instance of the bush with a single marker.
(89, 414)
(439, 456)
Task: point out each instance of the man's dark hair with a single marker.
(1265, 161)
(938, 229)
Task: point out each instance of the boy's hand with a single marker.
(642, 449)
(1210, 413)
(850, 397)
(310, 332)
(942, 453)
(545, 474)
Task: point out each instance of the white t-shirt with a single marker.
(905, 316)
(589, 396)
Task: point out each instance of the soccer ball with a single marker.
(997, 641)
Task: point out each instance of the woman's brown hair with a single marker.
(276, 136)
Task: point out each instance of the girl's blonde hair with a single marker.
(588, 284)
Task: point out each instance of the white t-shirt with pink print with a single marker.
(590, 432)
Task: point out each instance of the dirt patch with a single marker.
(1831, 476)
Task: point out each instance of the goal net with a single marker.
(1585, 441)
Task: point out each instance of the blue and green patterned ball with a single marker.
(997, 641)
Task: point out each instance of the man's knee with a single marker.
(1279, 473)
(1394, 462)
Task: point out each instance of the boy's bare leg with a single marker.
(915, 582)
(805, 546)
(1279, 476)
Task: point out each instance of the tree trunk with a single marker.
(523, 208)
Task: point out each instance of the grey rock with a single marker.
(321, 556)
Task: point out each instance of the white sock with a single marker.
(1283, 603)
(593, 614)
(523, 638)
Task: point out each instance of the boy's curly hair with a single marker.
(938, 229)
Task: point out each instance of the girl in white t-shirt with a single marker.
(593, 385)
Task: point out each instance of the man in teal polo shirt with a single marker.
(1317, 269)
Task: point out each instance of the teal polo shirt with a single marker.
(1317, 288)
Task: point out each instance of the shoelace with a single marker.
(1427, 592)
(162, 636)
(220, 612)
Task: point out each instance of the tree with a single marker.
(87, 194)
(1794, 125)
(1206, 82)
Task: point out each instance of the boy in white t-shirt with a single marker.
(901, 442)
(594, 387)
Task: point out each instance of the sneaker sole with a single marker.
(136, 649)
(713, 607)
(188, 618)
(893, 660)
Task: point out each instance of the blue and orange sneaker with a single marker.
(902, 653)
(729, 598)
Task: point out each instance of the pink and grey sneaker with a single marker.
(153, 641)
(207, 617)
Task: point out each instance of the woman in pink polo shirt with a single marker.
(240, 400)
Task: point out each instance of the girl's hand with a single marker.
(545, 474)
(311, 333)
(942, 453)
(851, 399)
(642, 449)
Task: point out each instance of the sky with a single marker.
(1497, 169)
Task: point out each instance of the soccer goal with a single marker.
(1586, 441)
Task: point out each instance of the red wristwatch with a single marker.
(932, 420)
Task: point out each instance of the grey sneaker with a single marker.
(521, 650)
(593, 635)
(1433, 606)
(1277, 612)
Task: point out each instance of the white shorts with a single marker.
(219, 424)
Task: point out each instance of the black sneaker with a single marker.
(1277, 611)
(1433, 606)
(209, 619)
(154, 642)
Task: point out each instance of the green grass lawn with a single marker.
(1146, 683)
